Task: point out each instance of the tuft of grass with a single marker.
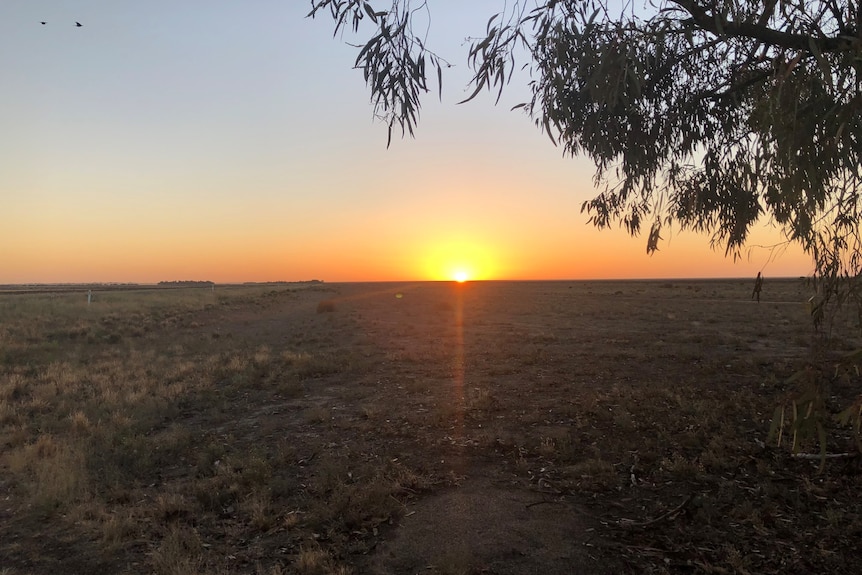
(258, 508)
(119, 527)
(594, 474)
(179, 553)
(313, 560)
(326, 306)
(80, 423)
(170, 507)
(53, 472)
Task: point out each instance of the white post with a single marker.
(89, 296)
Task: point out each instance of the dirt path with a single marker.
(490, 527)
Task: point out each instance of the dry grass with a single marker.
(296, 441)
(89, 401)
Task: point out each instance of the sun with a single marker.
(460, 276)
(459, 260)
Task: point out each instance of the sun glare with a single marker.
(459, 261)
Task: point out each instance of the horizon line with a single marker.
(208, 283)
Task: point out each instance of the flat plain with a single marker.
(441, 428)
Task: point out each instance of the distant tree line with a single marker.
(278, 283)
(187, 283)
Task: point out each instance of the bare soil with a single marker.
(488, 427)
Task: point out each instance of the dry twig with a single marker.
(629, 523)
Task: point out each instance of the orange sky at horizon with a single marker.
(399, 258)
(141, 148)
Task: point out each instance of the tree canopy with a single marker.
(707, 115)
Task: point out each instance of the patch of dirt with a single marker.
(483, 526)
(53, 547)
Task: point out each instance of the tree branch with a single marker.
(720, 26)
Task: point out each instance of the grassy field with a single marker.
(488, 427)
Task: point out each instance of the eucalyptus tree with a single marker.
(706, 115)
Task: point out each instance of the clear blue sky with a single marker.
(232, 141)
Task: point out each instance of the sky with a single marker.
(231, 141)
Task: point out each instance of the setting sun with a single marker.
(459, 261)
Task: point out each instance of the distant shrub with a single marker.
(326, 305)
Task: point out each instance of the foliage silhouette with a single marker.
(701, 114)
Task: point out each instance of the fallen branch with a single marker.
(629, 523)
(849, 455)
(544, 501)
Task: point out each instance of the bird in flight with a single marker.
(78, 24)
